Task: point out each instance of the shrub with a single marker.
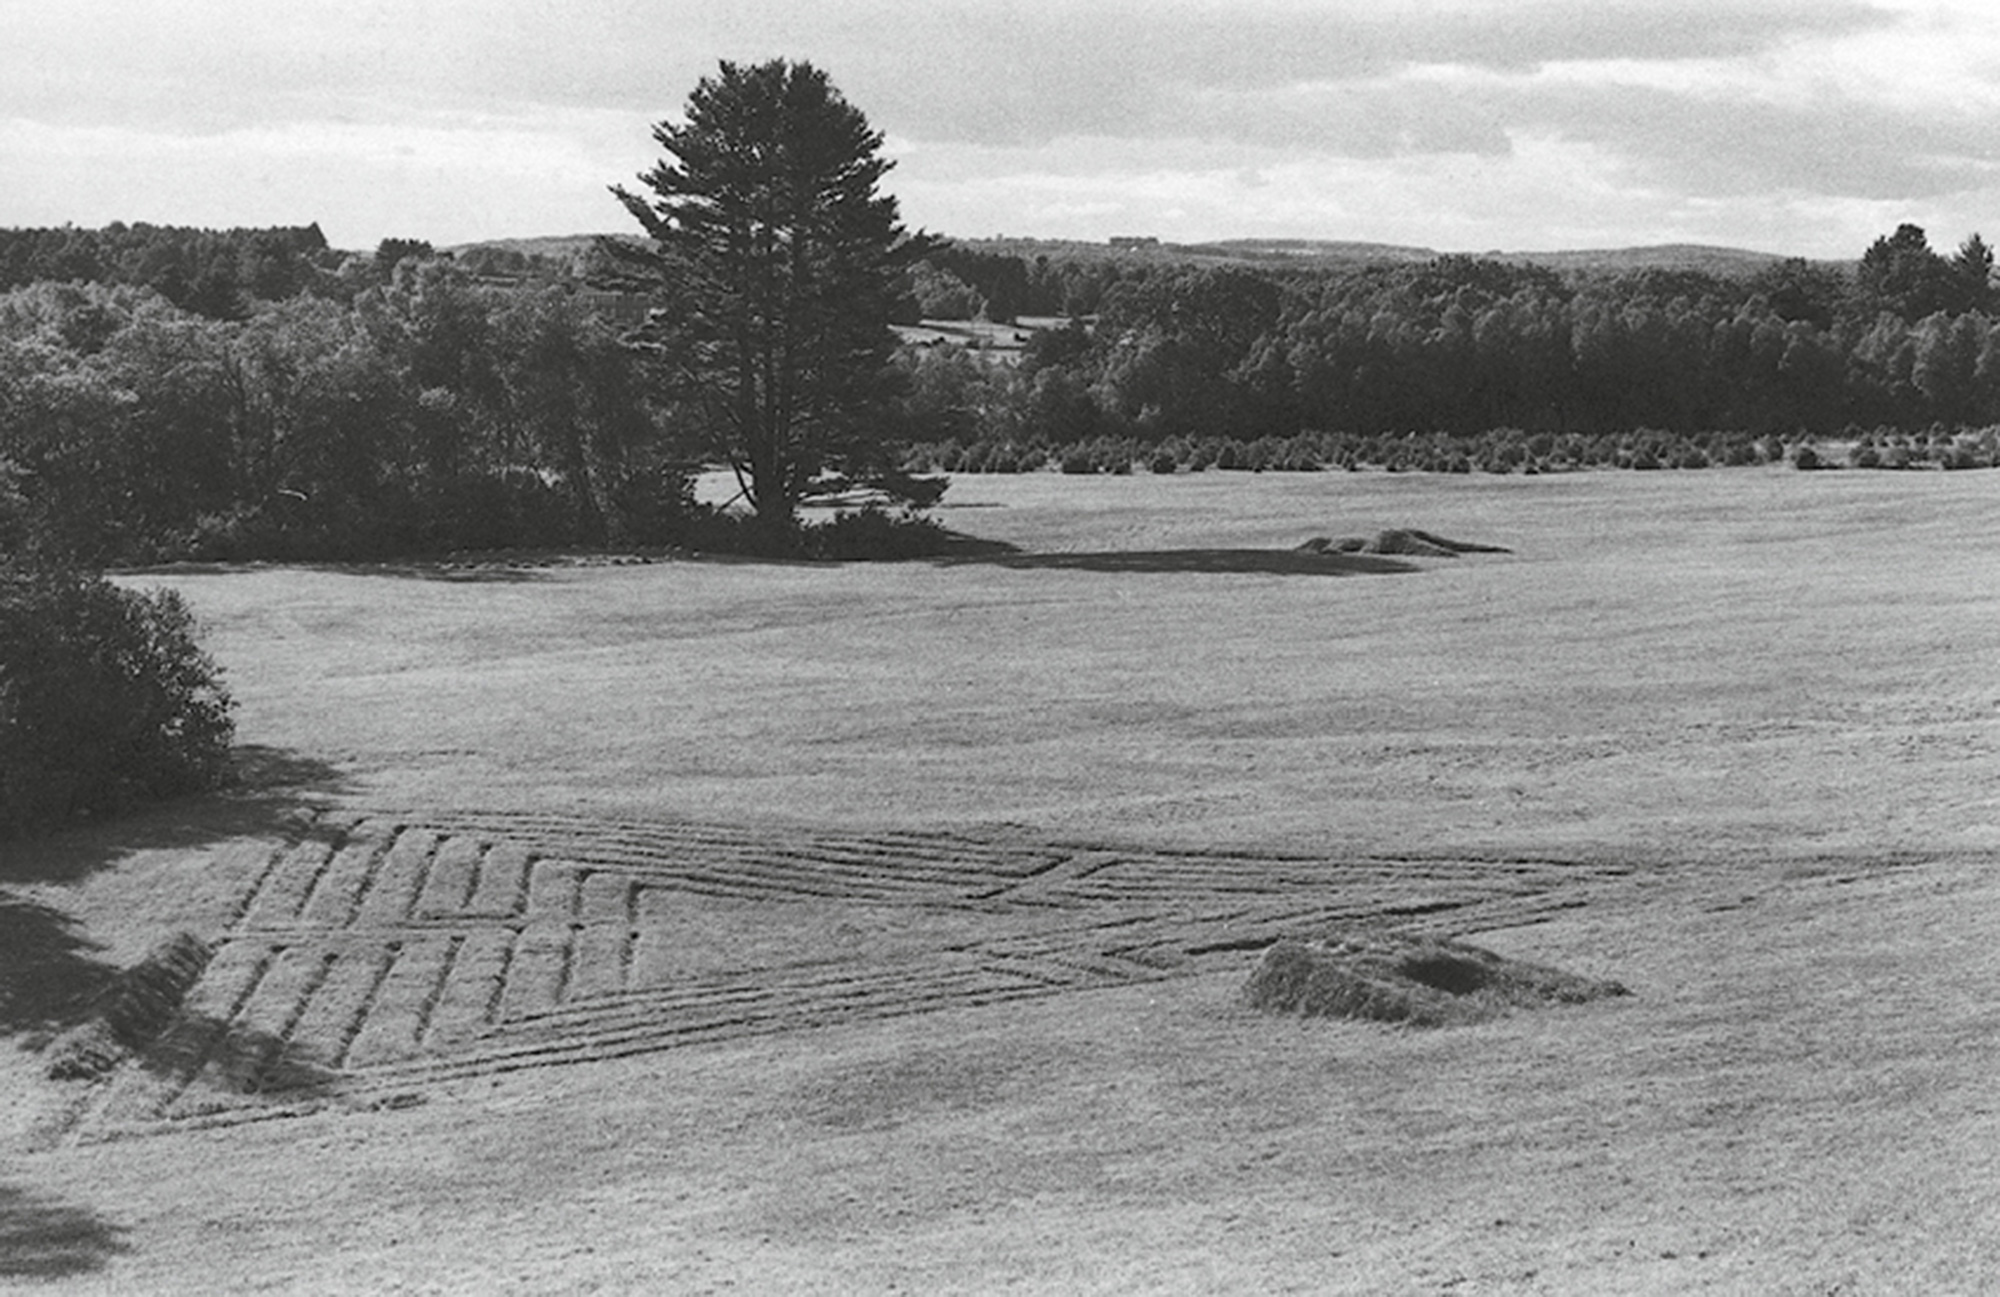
(104, 698)
(875, 533)
(851, 535)
(653, 508)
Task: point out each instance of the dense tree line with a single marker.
(335, 405)
(223, 274)
(216, 273)
(428, 412)
(1373, 362)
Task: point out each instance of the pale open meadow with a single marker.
(689, 924)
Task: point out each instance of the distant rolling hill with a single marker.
(1667, 256)
(1302, 252)
(543, 245)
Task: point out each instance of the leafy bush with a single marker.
(875, 533)
(104, 698)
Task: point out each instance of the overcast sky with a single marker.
(1804, 127)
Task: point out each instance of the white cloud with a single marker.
(362, 181)
(1795, 125)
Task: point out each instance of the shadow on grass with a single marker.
(1283, 562)
(951, 546)
(263, 772)
(48, 975)
(51, 974)
(958, 548)
(41, 1238)
(240, 1058)
(264, 798)
(465, 570)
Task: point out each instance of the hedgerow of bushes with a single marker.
(1499, 451)
(105, 698)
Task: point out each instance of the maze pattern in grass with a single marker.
(381, 954)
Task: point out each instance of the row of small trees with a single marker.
(1499, 450)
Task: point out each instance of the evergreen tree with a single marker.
(1973, 268)
(780, 267)
(1900, 273)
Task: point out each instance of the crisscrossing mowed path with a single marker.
(376, 954)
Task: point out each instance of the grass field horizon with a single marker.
(883, 925)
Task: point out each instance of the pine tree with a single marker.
(1973, 268)
(779, 265)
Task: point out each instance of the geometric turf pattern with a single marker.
(371, 956)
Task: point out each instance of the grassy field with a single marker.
(701, 923)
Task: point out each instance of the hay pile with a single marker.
(1400, 540)
(1394, 977)
(134, 1009)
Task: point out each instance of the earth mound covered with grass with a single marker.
(1399, 540)
(134, 1009)
(1394, 977)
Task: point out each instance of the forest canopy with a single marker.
(254, 393)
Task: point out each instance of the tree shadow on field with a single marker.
(459, 572)
(51, 972)
(1284, 562)
(265, 796)
(240, 1058)
(41, 1238)
(48, 977)
(464, 570)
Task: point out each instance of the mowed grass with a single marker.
(1667, 662)
(1771, 692)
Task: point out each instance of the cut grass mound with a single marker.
(1400, 540)
(134, 1009)
(1392, 977)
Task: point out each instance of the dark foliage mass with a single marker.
(336, 406)
(105, 698)
(426, 412)
(214, 273)
(1463, 364)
